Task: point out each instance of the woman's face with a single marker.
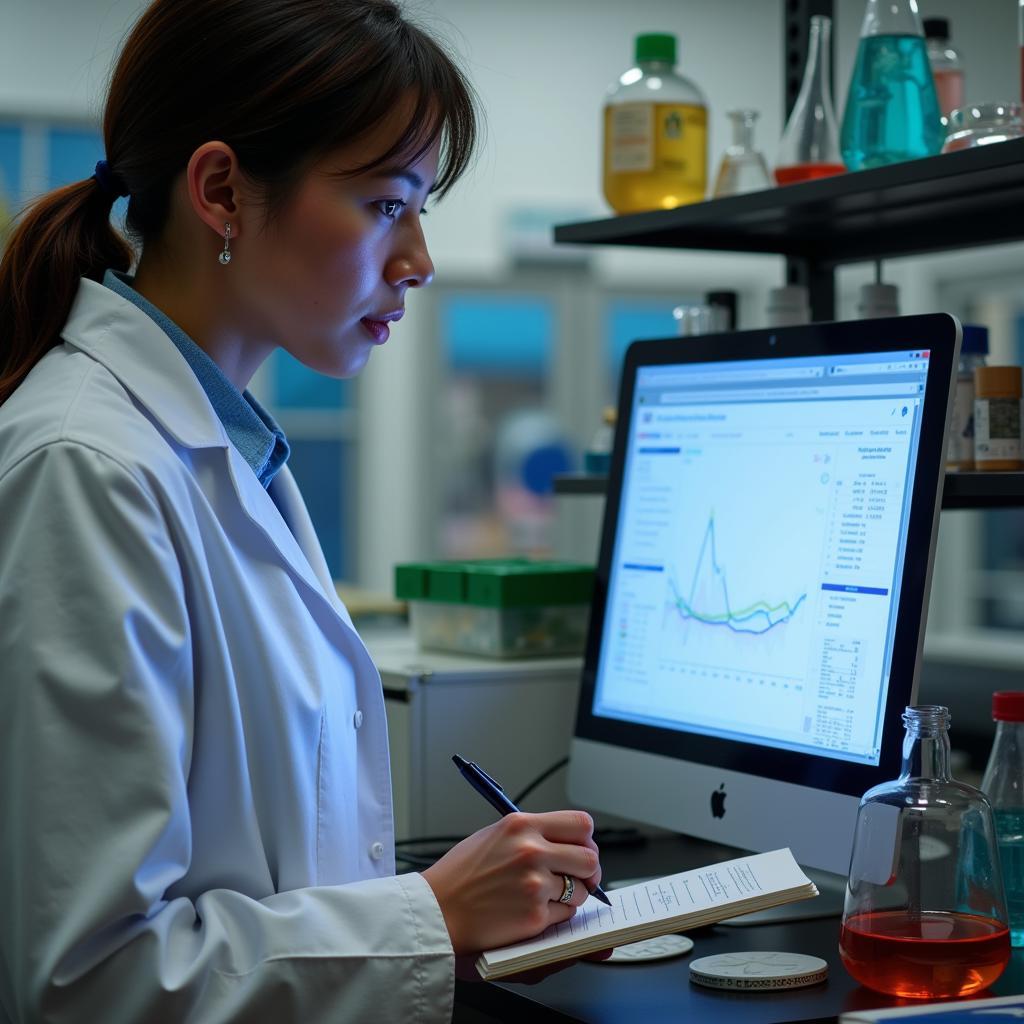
(327, 276)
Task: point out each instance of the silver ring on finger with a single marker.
(568, 888)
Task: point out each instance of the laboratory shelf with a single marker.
(983, 490)
(961, 490)
(955, 200)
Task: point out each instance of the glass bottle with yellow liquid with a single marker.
(655, 133)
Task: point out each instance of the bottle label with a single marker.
(996, 429)
(631, 137)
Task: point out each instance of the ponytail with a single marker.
(62, 237)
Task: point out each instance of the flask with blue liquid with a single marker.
(1003, 784)
(892, 110)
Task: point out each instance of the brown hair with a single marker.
(282, 82)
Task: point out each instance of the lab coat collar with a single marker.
(124, 339)
(134, 348)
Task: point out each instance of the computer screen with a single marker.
(762, 584)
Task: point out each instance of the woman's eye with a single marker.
(391, 208)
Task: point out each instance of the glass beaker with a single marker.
(982, 125)
(892, 109)
(743, 167)
(693, 318)
(810, 143)
(925, 914)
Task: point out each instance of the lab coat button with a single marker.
(377, 851)
(357, 718)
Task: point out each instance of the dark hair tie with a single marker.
(110, 183)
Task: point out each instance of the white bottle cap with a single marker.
(788, 305)
(878, 300)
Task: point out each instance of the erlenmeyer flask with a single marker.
(892, 110)
(743, 167)
(925, 914)
(810, 143)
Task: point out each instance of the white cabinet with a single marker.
(513, 717)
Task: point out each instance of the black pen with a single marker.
(495, 796)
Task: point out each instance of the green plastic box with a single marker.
(501, 608)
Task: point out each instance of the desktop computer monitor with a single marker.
(763, 577)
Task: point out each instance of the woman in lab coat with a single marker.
(195, 810)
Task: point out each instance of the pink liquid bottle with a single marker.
(946, 63)
(925, 914)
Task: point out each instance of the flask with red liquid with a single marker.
(925, 914)
(809, 147)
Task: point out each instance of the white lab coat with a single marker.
(195, 807)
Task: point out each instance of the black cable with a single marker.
(425, 858)
(417, 860)
(419, 840)
(540, 778)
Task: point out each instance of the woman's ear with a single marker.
(214, 182)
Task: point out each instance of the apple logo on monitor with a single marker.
(718, 802)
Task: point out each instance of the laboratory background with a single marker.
(450, 444)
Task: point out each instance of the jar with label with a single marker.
(655, 133)
(997, 391)
(973, 350)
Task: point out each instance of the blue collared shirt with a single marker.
(250, 428)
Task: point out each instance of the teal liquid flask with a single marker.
(892, 110)
(1003, 784)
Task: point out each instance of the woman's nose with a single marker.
(411, 266)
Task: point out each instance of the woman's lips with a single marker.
(377, 329)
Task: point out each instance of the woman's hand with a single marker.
(503, 883)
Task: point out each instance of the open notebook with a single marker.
(674, 903)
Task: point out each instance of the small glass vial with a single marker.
(997, 391)
(947, 65)
(973, 351)
(743, 167)
(655, 133)
(598, 456)
(809, 147)
(1003, 784)
(925, 914)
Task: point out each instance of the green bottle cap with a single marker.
(657, 46)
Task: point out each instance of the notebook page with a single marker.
(689, 892)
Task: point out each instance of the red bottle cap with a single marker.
(1008, 706)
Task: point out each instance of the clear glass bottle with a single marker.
(743, 167)
(655, 133)
(1003, 784)
(947, 65)
(925, 914)
(892, 110)
(973, 353)
(810, 143)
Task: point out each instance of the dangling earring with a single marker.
(225, 256)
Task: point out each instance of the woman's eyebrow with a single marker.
(400, 172)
